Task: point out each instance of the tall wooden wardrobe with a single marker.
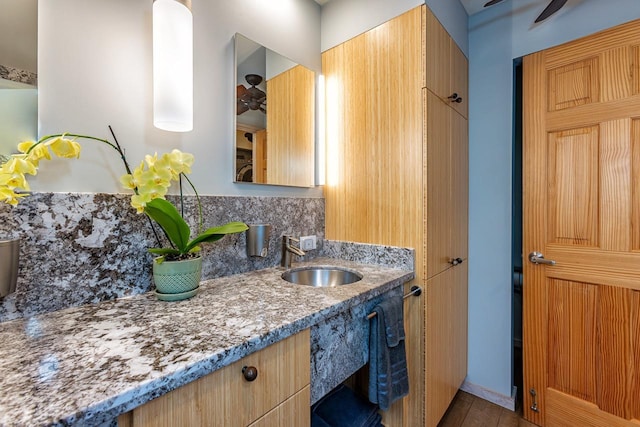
(397, 174)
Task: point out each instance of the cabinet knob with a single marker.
(250, 373)
(455, 98)
(456, 261)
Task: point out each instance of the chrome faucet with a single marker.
(288, 251)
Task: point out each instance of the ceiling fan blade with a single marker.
(241, 108)
(492, 2)
(551, 8)
(240, 90)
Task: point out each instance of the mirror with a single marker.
(18, 73)
(275, 116)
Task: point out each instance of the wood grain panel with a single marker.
(615, 186)
(438, 207)
(585, 47)
(374, 137)
(576, 263)
(572, 338)
(224, 398)
(290, 149)
(445, 370)
(587, 115)
(635, 184)
(616, 76)
(573, 186)
(635, 341)
(614, 327)
(635, 69)
(438, 57)
(567, 411)
(292, 412)
(534, 310)
(460, 186)
(459, 79)
(574, 84)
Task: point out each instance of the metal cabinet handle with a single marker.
(538, 258)
(250, 373)
(456, 261)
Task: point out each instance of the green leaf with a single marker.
(164, 251)
(214, 234)
(168, 217)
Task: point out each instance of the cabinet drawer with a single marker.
(225, 397)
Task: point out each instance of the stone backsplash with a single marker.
(85, 248)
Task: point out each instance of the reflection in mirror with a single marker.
(18, 73)
(275, 112)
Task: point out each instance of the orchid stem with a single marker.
(198, 199)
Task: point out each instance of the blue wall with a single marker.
(497, 36)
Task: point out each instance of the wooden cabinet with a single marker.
(226, 398)
(446, 69)
(397, 153)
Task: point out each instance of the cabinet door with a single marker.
(437, 61)
(439, 210)
(459, 186)
(459, 82)
(446, 340)
(446, 68)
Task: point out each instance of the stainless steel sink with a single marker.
(321, 276)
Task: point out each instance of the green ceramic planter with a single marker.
(176, 280)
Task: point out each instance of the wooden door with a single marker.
(582, 210)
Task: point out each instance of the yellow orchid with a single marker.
(128, 182)
(63, 147)
(19, 163)
(14, 180)
(180, 162)
(38, 152)
(7, 195)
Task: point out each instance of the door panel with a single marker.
(581, 209)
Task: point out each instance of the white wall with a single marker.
(95, 70)
(496, 37)
(18, 110)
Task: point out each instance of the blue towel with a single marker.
(388, 377)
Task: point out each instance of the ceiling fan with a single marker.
(251, 98)
(552, 7)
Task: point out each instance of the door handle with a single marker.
(538, 258)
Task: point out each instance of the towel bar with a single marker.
(415, 291)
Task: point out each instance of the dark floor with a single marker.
(467, 410)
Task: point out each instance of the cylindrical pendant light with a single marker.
(173, 65)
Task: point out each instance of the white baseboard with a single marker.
(508, 402)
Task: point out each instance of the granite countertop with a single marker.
(87, 365)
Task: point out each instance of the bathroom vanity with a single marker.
(133, 359)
